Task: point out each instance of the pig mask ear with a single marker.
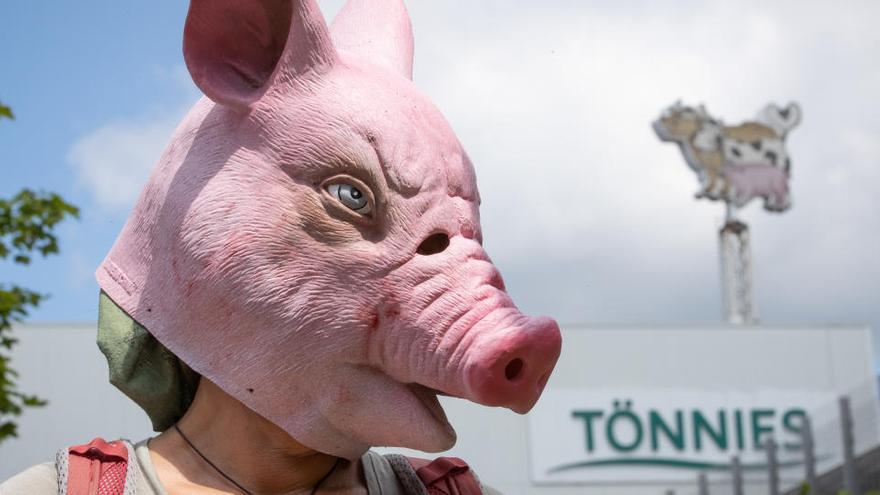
(235, 49)
(378, 31)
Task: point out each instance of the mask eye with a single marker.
(350, 196)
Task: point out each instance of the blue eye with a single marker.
(352, 197)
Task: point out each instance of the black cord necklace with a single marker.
(229, 479)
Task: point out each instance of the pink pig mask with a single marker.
(310, 239)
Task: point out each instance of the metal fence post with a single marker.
(809, 449)
(702, 484)
(850, 482)
(737, 474)
(772, 466)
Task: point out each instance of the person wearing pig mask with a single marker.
(302, 275)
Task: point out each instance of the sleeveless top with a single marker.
(384, 475)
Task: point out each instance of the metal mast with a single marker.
(736, 270)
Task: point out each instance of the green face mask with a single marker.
(142, 368)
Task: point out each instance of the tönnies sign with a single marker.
(663, 435)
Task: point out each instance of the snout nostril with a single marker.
(436, 243)
(513, 369)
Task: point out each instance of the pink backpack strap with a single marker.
(97, 467)
(446, 476)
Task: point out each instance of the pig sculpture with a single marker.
(310, 239)
(739, 163)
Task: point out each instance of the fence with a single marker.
(839, 454)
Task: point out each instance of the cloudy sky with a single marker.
(590, 218)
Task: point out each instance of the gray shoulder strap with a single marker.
(61, 468)
(382, 477)
(406, 474)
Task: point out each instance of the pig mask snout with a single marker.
(458, 332)
(510, 367)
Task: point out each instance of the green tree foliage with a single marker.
(27, 223)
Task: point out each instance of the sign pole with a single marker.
(736, 272)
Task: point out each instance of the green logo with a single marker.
(683, 438)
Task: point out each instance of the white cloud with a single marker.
(115, 160)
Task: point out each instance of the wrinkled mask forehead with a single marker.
(373, 121)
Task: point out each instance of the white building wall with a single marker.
(62, 363)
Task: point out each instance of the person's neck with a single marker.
(247, 448)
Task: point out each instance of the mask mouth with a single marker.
(440, 393)
(428, 397)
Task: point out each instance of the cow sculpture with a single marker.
(310, 239)
(735, 164)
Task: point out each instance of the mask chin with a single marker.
(445, 434)
(361, 407)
